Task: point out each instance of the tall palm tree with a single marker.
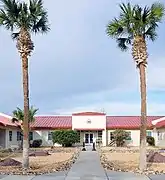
(134, 26)
(22, 19)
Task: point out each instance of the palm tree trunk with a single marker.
(25, 163)
(139, 53)
(143, 163)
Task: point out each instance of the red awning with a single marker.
(89, 129)
(160, 124)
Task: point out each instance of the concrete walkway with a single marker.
(87, 167)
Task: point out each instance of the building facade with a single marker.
(91, 127)
(10, 133)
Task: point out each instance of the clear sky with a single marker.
(76, 67)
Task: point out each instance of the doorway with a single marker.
(88, 138)
(2, 138)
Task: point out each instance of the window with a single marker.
(19, 136)
(100, 136)
(78, 132)
(10, 135)
(149, 133)
(30, 136)
(49, 136)
(159, 135)
(111, 136)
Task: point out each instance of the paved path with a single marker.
(157, 177)
(87, 167)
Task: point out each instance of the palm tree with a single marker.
(134, 26)
(22, 19)
(18, 116)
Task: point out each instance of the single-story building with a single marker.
(91, 126)
(10, 135)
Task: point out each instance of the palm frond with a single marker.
(39, 17)
(114, 28)
(157, 11)
(19, 113)
(32, 113)
(146, 13)
(126, 16)
(123, 43)
(126, 9)
(151, 33)
(36, 8)
(14, 36)
(6, 21)
(9, 13)
(41, 25)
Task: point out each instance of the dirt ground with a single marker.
(59, 159)
(130, 161)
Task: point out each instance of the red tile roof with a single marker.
(160, 124)
(52, 122)
(89, 114)
(113, 122)
(6, 121)
(128, 122)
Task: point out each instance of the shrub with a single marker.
(120, 136)
(150, 140)
(65, 137)
(37, 143)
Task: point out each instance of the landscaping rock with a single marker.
(39, 153)
(155, 157)
(60, 149)
(35, 170)
(10, 162)
(117, 166)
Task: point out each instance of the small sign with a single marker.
(89, 121)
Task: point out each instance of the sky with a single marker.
(76, 67)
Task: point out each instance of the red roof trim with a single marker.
(89, 129)
(89, 114)
(49, 128)
(7, 122)
(127, 128)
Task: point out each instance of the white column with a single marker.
(155, 135)
(104, 137)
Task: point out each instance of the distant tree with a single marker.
(18, 115)
(65, 137)
(120, 136)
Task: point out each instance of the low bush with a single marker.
(150, 141)
(65, 137)
(37, 143)
(120, 136)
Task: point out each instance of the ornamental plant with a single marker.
(65, 137)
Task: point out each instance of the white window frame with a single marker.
(50, 136)
(10, 135)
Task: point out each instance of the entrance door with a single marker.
(88, 138)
